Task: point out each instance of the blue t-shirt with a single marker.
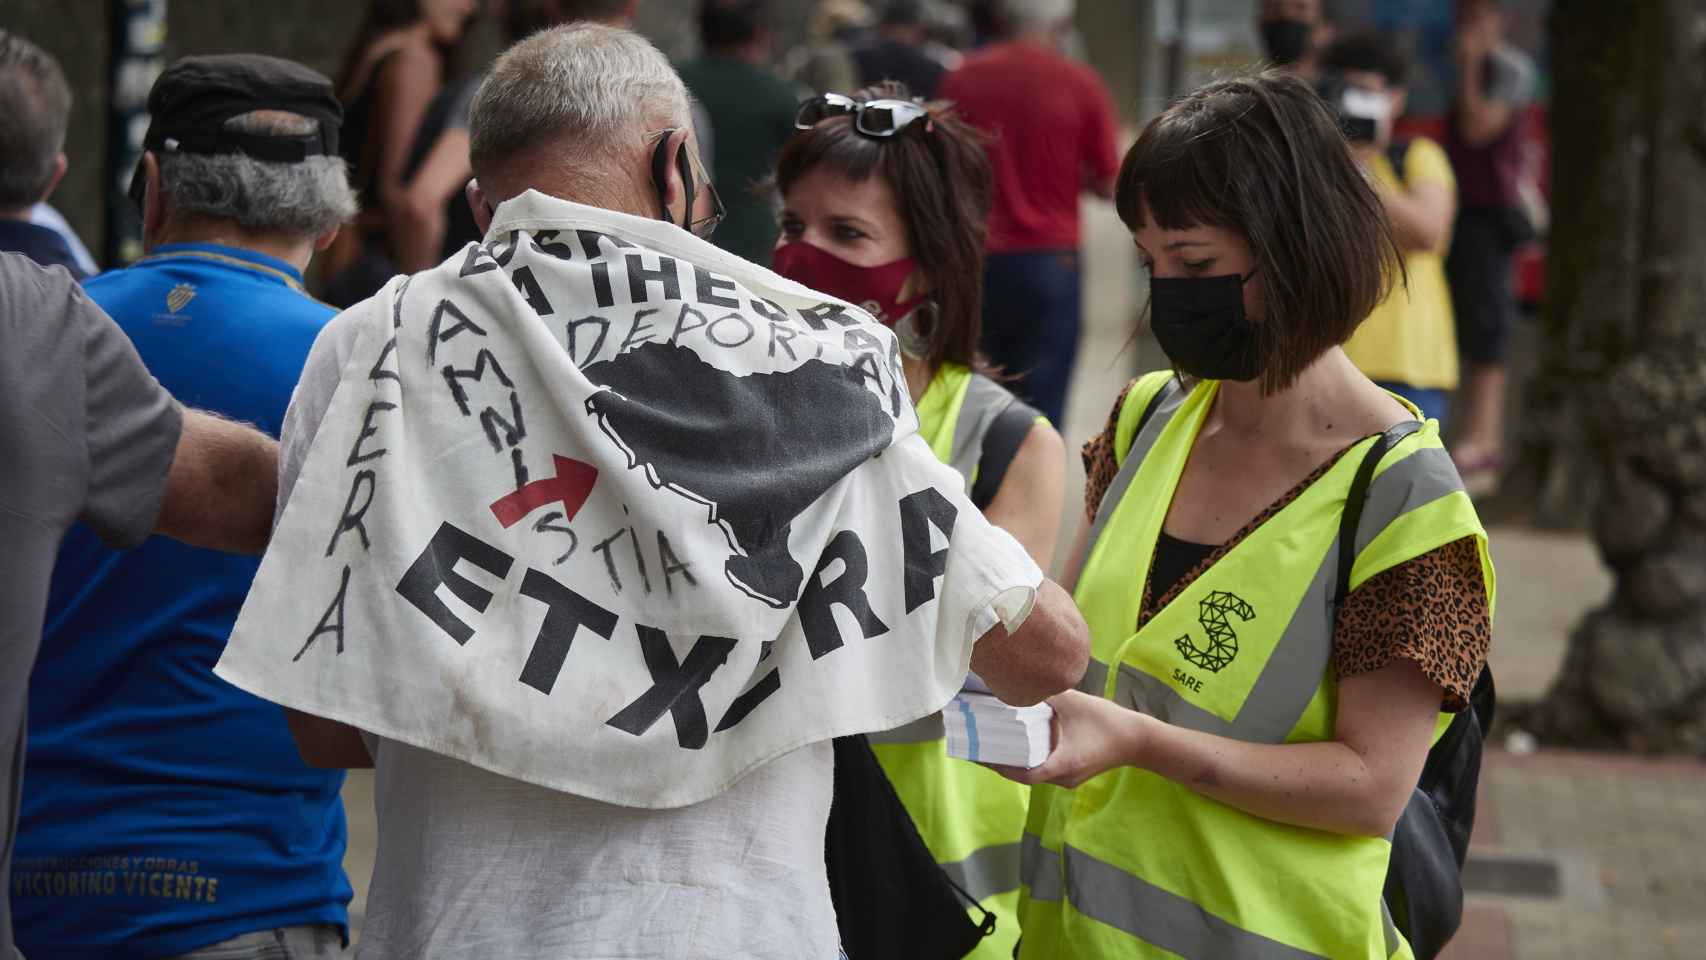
(41, 244)
(163, 808)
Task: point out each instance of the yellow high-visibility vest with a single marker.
(1133, 865)
(970, 817)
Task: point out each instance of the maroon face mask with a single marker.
(876, 290)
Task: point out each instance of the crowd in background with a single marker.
(354, 180)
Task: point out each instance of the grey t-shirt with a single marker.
(86, 433)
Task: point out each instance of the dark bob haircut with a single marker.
(1262, 155)
(1368, 51)
(940, 177)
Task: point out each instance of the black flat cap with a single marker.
(192, 99)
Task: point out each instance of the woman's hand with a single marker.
(1091, 735)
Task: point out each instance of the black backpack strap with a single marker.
(1153, 405)
(1355, 499)
(1000, 445)
(1396, 151)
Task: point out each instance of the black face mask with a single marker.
(1201, 326)
(1286, 40)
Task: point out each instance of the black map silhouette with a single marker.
(755, 449)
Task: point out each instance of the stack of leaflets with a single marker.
(983, 729)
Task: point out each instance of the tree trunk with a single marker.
(1623, 383)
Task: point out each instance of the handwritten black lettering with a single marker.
(639, 560)
(780, 334)
(356, 455)
(640, 332)
(514, 429)
(434, 337)
(549, 524)
(711, 331)
(327, 623)
(483, 361)
(379, 372)
(672, 565)
(681, 326)
(351, 518)
(603, 331)
(603, 546)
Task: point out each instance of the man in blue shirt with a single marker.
(165, 812)
(35, 106)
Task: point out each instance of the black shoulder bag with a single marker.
(1424, 879)
(891, 898)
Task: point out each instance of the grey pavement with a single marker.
(1575, 855)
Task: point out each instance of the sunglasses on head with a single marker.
(873, 118)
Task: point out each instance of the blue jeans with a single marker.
(1030, 323)
(1432, 401)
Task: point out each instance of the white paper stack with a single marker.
(985, 730)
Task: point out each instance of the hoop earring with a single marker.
(914, 333)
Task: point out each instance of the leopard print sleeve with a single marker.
(1431, 609)
(1100, 464)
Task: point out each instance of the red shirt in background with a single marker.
(1052, 130)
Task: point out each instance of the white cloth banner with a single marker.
(600, 507)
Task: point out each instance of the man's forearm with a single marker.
(222, 486)
(1045, 655)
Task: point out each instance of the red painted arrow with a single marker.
(572, 485)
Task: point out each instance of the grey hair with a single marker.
(297, 199)
(601, 88)
(1022, 15)
(35, 107)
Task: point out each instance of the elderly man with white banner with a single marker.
(593, 536)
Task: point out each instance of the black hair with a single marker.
(1368, 51)
(940, 177)
(1262, 154)
(730, 24)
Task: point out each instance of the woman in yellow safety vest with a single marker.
(885, 203)
(1225, 779)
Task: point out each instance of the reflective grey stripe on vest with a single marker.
(1108, 894)
(1389, 928)
(1095, 679)
(1173, 398)
(988, 871)
(984, 401)
(922, 730)
(1413, 482)
(1039, 869)
(1282, 692)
